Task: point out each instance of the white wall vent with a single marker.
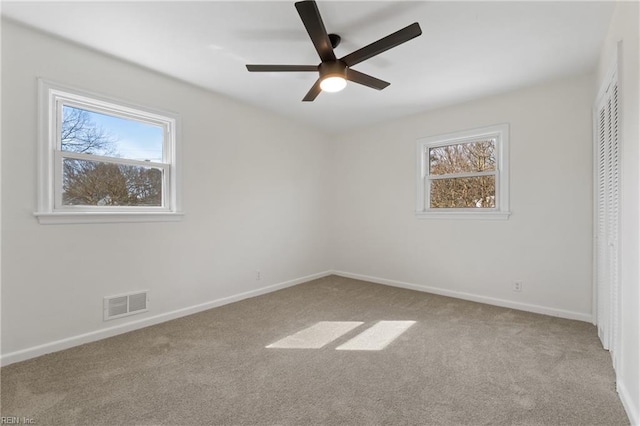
(127, 304)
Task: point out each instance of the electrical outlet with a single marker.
(258, 275)
(517, 286)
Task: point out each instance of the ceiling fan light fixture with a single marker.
(333, 76)
(333, 83)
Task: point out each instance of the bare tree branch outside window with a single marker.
(80, 134)
(463, 192)
(95, 183)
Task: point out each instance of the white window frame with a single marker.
(52, 98)
(423, 182)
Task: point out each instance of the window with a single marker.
(103, 160)
(464, 174)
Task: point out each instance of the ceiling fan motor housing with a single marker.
(333, 69)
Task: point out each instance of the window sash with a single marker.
(430, 177)
(427, 196)
(58, 177)
(62, 100)
(459, 142)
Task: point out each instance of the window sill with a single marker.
(479, 215)
(48, 218)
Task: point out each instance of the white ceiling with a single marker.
(467, 50)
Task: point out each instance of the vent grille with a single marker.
(138, 302)
(117, 306)
(125, 304)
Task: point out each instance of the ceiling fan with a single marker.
(335, 72)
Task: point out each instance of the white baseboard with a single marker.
(472, 297)
(103, 333)
(629, 405)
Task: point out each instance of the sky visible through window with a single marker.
(133, 140)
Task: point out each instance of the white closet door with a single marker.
(607, 216)
(602, 246)
(613, 218)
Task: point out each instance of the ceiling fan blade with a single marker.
(382, 45)
(366, 79)
(313, 92)
(282, 68)
(310, 15)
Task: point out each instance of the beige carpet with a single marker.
(459, 363)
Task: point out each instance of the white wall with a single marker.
(546, 243)
(624, 27)
(253, 194)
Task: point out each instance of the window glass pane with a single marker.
(90, 132)
(469, 192)
(93, 183)
(478, 156)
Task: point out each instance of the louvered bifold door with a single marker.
(602, 256)
(608, 217)
(613, 217)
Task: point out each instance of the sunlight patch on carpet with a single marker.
(377, 337)
(317, 335)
